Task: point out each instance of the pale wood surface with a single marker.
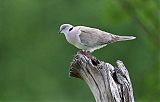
(108, 84)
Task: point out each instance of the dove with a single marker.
(89, 39)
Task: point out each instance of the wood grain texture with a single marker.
(108, 84)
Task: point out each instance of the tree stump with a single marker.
(108, 84)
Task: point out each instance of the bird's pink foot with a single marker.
(86, 53)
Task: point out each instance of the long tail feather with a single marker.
(123, 38)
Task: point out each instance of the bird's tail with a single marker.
(123, 38)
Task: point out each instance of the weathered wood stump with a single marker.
(108, 84)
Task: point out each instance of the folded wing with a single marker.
(92, 37)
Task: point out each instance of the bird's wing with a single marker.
(92, 37)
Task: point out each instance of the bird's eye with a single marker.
(70, 29)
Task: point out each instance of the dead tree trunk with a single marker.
(108, 84)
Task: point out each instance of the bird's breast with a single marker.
(73, 38)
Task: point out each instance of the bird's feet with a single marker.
(86, 53)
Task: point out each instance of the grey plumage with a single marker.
(91, 38)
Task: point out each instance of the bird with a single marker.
(89, 39)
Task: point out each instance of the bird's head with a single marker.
(64, 28)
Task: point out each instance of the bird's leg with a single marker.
(82, 52)
(86, 53)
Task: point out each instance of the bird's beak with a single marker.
(59, 31)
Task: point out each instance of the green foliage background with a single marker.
(35, 59)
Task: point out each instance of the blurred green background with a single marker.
(35, 59)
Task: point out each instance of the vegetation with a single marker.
(35, 59)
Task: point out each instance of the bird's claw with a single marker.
(86, 53)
